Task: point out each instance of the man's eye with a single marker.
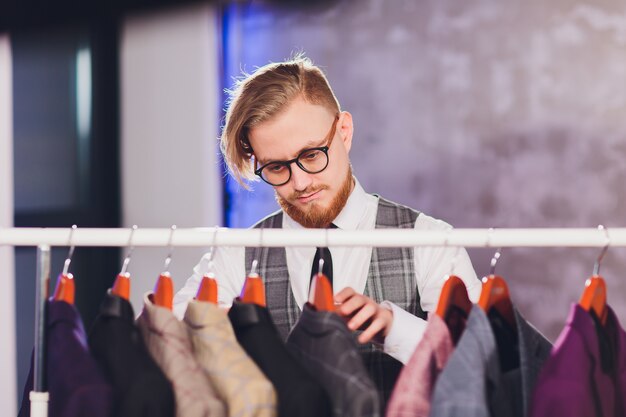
(310, 155)
(275, 168)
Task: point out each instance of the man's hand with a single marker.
(365, 314)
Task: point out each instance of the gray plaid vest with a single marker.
(391, 277)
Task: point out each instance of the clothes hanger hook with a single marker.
(494, 261)
(255, 261)
(321, 266)
(596, 266)
(130, 250)
(68, 260)
(171, 252)
(253, 272)
(496, 256)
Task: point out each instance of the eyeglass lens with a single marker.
(310, 160)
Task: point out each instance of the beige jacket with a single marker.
(236, 378)
(168, 342)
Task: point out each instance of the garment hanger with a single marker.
(454, 293)
(453, 296)
(495, 294)
(207, 290)
(594, 295)
(253, 291)
(454, 305)
(65, 290)
(121, 286)
(321, 292)
(163, 295)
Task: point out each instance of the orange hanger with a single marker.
(453, 294)
(594, 294)
(594, 297)
(321, 293)
(121, 286)
(207, 291)
(64, 290)
(495, 294)
(164, 291)
(253, 291)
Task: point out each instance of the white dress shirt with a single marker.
(350, 268)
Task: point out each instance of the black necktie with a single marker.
(327, 269)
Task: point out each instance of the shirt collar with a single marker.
(349, 217)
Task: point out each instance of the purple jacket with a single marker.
(586, 372)
(75, 383)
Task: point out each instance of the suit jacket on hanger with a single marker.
(473, 383)
(235, 377)
(586, 372)
(328, 350)
(299, 394)
(75, 383)
(413, 391)
(141, 389)
(168, 342)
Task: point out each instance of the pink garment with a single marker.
(413, 391)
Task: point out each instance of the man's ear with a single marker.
(345, 129)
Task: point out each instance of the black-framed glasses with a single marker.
(311, 160)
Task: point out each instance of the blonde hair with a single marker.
(261, 96)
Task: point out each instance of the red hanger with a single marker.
(121, 286)
(594, 297)
(321, 294)
(453, 294)
(64, 290)
(207, 291)
(164, 291)
(495, 294)
(253, 291)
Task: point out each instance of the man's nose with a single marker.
(301, 180)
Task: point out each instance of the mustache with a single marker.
(307, 191)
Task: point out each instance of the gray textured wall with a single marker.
(483, 113)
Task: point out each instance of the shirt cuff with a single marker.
(405, 333)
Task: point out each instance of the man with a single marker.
(284, 125)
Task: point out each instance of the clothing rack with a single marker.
(44, 238)
(534, 237)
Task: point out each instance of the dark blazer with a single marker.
(328, 350)
(75, 383)
(140, 387)
(299, 394)
(474, 382)
(586, 372)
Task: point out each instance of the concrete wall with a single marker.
(169, 125)
(483, 113)
(8, 381)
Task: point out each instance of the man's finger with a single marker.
(365, 313)
(344, 294)
(351, 305)
(373, 330)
